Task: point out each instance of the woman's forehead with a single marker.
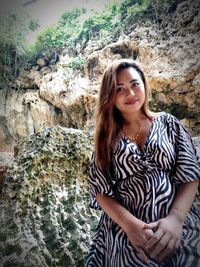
(128, 73)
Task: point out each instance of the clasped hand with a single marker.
(158, 239)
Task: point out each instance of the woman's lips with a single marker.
(131, 102)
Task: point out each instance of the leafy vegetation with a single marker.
(77, 63)
(14, 50)
(73, 31)
(63, 33)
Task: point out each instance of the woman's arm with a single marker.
(167, 237)
(135, 229)
(184, 198)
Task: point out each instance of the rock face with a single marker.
(44, 215)
(57, 94)
(196, 141)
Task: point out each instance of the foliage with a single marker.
(77, 63)
(70, 17)
(74, 30)
(159, 8)
(61, 34)
(14, 50)
(103, 27)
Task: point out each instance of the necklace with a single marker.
(134, 138)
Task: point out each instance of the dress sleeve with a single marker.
(187, 165)
(98, 183)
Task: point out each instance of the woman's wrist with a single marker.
(127, 222)
(182, 211)
(179, 213)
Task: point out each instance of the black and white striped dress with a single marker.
(147, 181)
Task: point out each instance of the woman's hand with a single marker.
(137, 231)
(138, 235)
(166, 239)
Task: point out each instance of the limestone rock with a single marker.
(35, 76)
(196, 80)
(6, 161)
(22, 113)
(167, 52)
(80, 114)
(39, 113)
(196, 141)
(47, 58)
(41, 62)
(44, 215)
(161, 98)
(61, 88)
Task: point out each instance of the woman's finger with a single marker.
(154, 239)
(148, 234)
(160, 246)
(142, 255)
(177, 244)
(152, 225)
(169, 249)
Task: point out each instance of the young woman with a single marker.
(149, 217)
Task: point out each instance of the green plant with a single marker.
(14, 49)
(77, 63)
(160, 8)
(63, 33)
(74, 29)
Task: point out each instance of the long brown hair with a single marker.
(109, 120)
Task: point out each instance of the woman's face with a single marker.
(130, 92)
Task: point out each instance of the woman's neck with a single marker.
(133, 118)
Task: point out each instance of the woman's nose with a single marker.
(130, 91)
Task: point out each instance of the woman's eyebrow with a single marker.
(134, 80)
(119, 84)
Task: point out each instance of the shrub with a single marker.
(77, 63)
(14, 50)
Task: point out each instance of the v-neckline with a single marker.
(143, 150)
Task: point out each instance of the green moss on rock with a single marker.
(44, 214)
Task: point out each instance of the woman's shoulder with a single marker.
(168, 120)
(164, 116)
(173, 124)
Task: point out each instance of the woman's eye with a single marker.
(135, 84)
(120, 89)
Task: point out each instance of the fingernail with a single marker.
(153, 256)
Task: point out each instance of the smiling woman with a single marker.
(144, 175)
(130, 91)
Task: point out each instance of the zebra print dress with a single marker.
(146, 182)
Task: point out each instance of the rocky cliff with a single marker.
(44, 215)
(53, 92)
